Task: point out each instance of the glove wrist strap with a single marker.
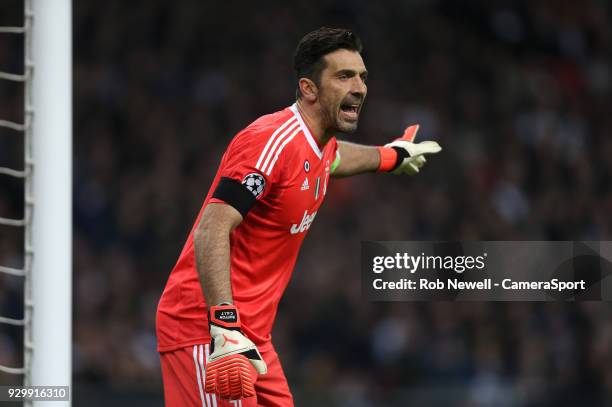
(224, 315)
(391, 158)
(388, 159)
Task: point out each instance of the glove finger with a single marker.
(419, 161)
(410, 133)
(408, 168)
(231, 377)
(426, 147)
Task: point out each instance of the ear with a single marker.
(309, 89)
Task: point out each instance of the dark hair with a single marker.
(308, 58)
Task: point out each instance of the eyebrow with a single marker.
(352, 72)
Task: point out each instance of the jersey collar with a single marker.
(311, 140)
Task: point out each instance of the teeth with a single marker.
(350, 108)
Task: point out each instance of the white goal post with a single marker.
(51, 362)
(47, 175)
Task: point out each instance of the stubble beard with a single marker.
(334, 124)
(345, 127)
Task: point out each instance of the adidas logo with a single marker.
(305, 185)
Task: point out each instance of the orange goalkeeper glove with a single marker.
(234, 362)
(402, 156)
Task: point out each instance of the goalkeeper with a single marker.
(215, 317)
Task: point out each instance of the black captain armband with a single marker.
(240, 195)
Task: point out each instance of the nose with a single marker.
(358, 86)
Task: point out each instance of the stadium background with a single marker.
(517, 92)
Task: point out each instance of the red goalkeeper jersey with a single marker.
(277, 160)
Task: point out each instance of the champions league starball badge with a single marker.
(255, 183)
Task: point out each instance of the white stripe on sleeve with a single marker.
(281, 149)
(291, 120)
(278, 141)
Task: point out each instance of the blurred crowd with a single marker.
(518, 93)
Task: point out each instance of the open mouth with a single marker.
(351, 111)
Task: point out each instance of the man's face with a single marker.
(342, 90)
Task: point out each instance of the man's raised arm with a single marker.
(402, 156)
